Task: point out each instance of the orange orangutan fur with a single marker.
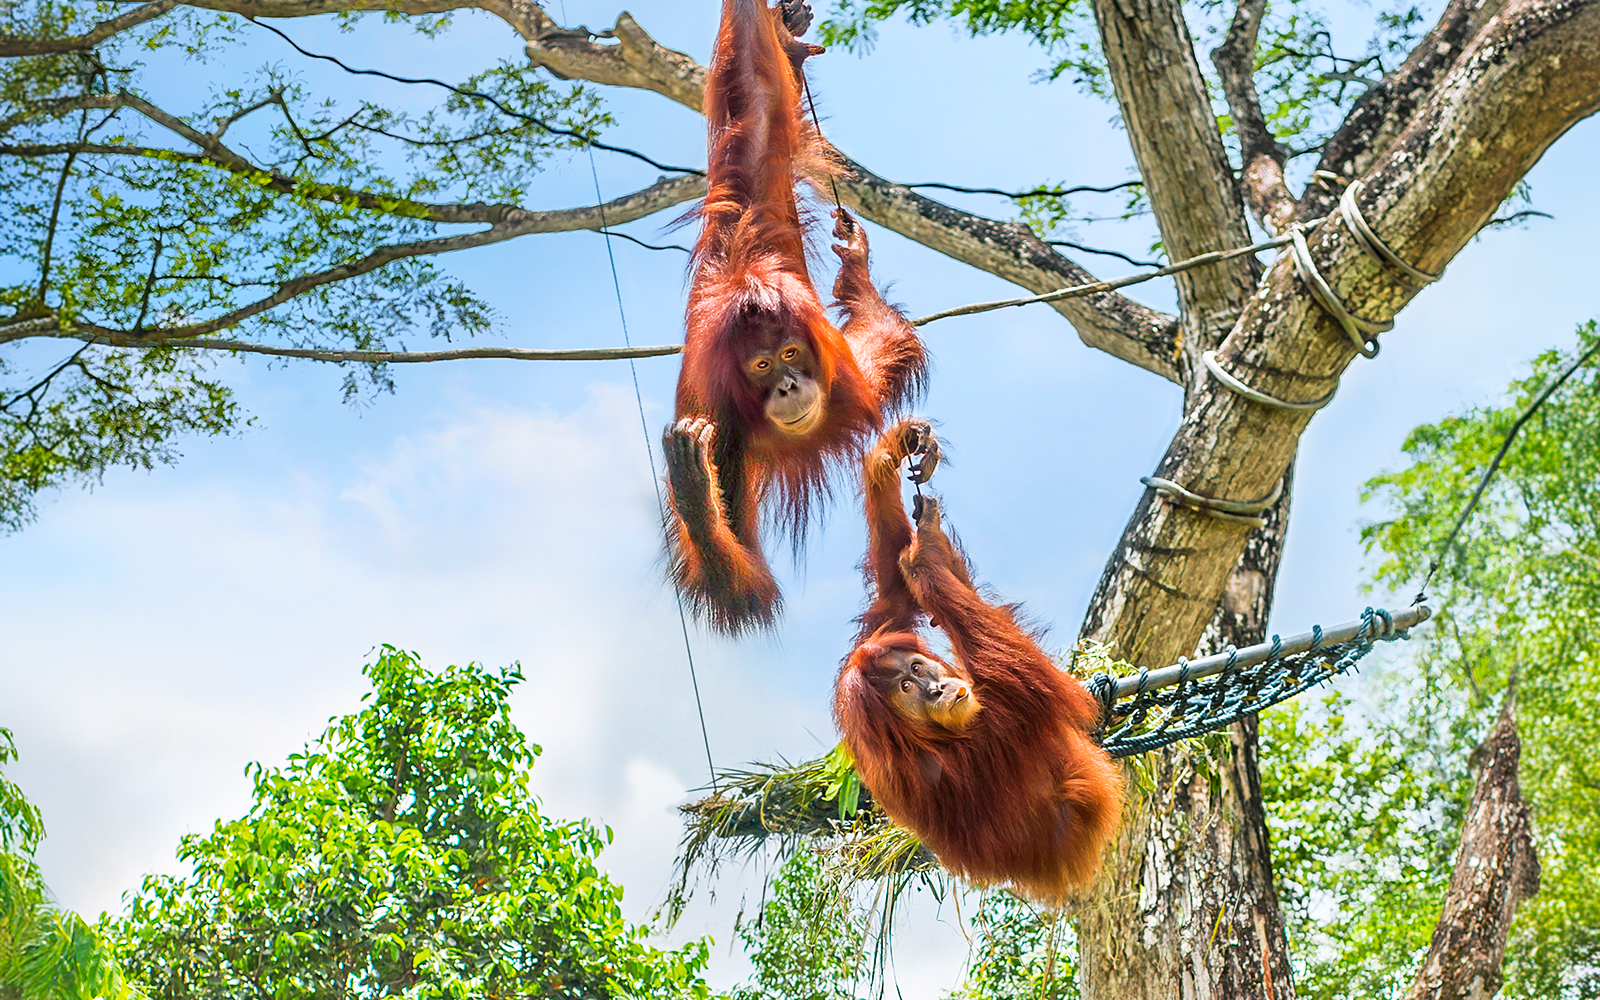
(752, 289)
(1022, 794)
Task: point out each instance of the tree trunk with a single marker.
(1205, 922)
(1496, 869)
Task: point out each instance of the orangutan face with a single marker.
(930, 691)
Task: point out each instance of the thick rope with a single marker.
(1209, 359)
(1371, 242)
(1356, 328)
(1494, 466)
(1237, 511)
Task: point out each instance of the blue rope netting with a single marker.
(1149, 719)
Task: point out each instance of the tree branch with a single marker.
(56, 108)
(12, 47)
(636, 60)
(1496, 869)
(1525, 80)
(381, 357)
(1103, 319)
(517, 222)
(216, 153)
(1108, 322)
(1162, 96)
(1383, 112)
(1263, 156)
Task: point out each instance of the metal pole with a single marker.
(1252, 655)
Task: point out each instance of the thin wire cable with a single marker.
(1494, 466)
(655, 478)
(588, 141)
(817, 122)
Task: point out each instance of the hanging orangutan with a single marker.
(772, 396)
(987, 756)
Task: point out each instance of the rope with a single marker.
(1371, 242)
(1209, 359)
(1494, 466)
(655, 477)
(1238, 511)
(1097, 287)
(833, 181)
(1362, 332)
(1354, 326)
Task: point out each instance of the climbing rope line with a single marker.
(1232, 382)
(1097, 287)
(817, 123)
(655, 477)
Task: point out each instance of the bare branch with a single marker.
(636, 60)
(389, 204)
(1079, 291)
(1103, 319)
(216, 153)
(57, 108)
(1173, 131)
(1387, 108)
(12, 47)
(517, 222)
(1264, 188)
(382, 357)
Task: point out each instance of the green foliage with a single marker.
(21, 826)
(1019, 953)
(97, 410)
(808, 941)
(401, 854)
(1364, 830)
(45, 954)
(816, 939)
(302, 219)
(1366, 817)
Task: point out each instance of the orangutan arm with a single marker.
(885, 344)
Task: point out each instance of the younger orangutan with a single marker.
(986, 756)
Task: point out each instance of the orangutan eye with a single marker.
(905, 686)
(762, 365)
(791, 354)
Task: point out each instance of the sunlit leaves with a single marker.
(1366, 812)
(113, 219)
(401, 854)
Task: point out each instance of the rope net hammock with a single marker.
(1207, 694)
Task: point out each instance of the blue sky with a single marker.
(167, 628)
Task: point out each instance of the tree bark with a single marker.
(1496, 869)
(1205, 922)
(1174, 136)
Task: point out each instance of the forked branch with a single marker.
(1263, 156)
